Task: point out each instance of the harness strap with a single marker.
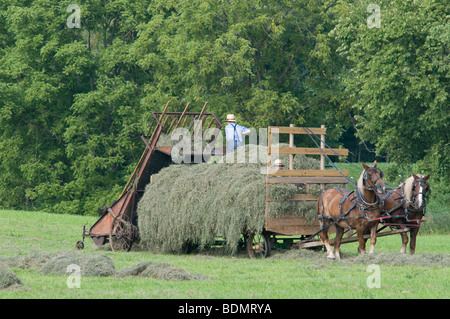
(341, 201)
(404, 203)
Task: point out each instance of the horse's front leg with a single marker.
(337, 241)
(404, 243)
(324, 237)
(373, 237)
(412, 244)
(362, 242)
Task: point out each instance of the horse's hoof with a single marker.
(330, 258)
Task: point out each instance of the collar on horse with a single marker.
(363, 203)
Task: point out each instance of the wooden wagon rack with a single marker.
(293, 224)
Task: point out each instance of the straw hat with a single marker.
(278, 162)
(230, 118)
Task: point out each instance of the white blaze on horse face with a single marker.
(420, 196)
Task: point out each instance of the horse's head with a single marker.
(373, 178)
(419, 190)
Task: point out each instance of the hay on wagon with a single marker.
(194, 203)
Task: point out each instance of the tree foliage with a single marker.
(74, 101)
(397, 82)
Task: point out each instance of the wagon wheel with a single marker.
(122, 233)
(258, 245)
(79, 245)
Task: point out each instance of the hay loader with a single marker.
(117, 225)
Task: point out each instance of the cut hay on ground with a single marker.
(8, 279)
(90, 265)
(319, 260)
(159, 271)
(33, 260)
(194, 203)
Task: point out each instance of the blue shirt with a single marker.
(233, 133)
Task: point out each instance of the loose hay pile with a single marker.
(194, 203)
(317, 260)
(8, 278)
(159, 271)
(90, 265)
(34, 260)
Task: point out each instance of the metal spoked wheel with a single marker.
(122, 234)
(258, 245)
(79, 245)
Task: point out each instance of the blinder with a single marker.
(423, 184)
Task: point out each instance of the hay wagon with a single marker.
(117, 225)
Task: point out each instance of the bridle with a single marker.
(364, 203)
(367, 179)
(405, 204)
(425, 188)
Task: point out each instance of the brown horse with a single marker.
(406, 204)
(352, 209)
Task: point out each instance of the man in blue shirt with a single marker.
(234, 132)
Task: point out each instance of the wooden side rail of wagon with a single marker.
(259, 245)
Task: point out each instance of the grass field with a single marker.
(285, 275)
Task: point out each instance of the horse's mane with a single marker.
(408, 186)
(360, 183)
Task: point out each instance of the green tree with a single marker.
(397, 78)
(266, 61)
(103, 129)
(36, 87)
(73, 102)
